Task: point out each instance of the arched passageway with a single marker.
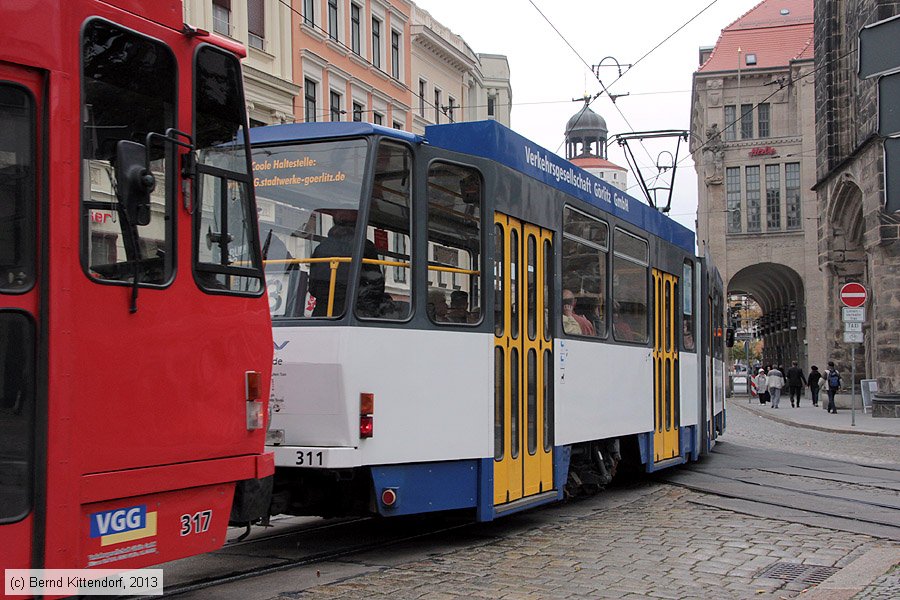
(778, 290)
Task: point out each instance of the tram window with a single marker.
(531, 401)
(584, 269)
(514, 402)
(17, 398)
(499, 282)
(129, 85)
(499, 389)
(514, 284)
(548, 283)
(225, 240)
(380, 297)
(304, 226)
(548, 401)
(687, 305)
(531, 286)
(18, 197)
(630, 269)
(454, 241)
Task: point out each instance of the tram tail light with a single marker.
(255, 416)
(366, 410)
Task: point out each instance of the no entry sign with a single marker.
(853, 294)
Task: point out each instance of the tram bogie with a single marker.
(465, 321)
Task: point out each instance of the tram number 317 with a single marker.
(196, 523)
(308, 459)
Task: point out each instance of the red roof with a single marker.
(593, 162)
(775, 31)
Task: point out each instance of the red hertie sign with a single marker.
(853, 294)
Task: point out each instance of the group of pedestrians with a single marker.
(770, 380)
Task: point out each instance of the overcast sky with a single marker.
(546, 74)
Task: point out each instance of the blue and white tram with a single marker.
(466, 321)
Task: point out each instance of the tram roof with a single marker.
(491, 140)
(496, 142)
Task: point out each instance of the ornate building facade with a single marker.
(753, 144)
(858, 240)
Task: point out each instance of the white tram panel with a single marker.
(430, 389)
(691, 396)
(602, 391)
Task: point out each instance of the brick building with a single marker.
(753, 144)
(858, 241)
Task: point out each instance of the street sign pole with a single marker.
(853, 385)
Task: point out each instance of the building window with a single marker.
(395, 55)
(256, 23)
(751, 175)
(773, 196)
(437, 106)
(491, 106)
(763, 119)
(421, 98)
(733, 199)
(398, 125)
(751, 59)
(357, 112)
(376, 43)
(355, 28)
(377, 118)
(333, 19)
(451, 104)
(792, 194)
(746, 121)
(335, 107)
(309, 100)
(309, 12)
(730, 118)
(222, 17)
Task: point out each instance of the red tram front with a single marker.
(135, 345)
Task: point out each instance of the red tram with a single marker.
(135, 346)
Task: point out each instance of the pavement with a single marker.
(811, 417)
(875, 575)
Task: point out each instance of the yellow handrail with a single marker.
(335, 261)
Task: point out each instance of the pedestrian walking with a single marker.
(762, 386)
(833, 382)
(796, 380)
(775, 379)
(812, 380)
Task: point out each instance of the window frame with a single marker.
(257, 7)
(647, 303)
(334, 22)
(334, 106)
(605, 251)
(310, 101)
(746, 121)
(733, 200)
(764, 108)
(356, 28)
(395, 55)
(309, 12)
(245, 178)
(28, 214)
(376, 42)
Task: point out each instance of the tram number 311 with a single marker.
(308, 459)
(196, 523)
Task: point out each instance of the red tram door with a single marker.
(20, 175)
(523, 360)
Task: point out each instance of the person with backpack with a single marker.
(834, 384)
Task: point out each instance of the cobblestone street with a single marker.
(661, 546)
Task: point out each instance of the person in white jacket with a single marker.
(775, 379)
(762, 386)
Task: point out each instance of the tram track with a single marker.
(304, 546)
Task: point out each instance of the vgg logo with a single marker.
(281, 345)
(118, 521)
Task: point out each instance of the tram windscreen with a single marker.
(308, 198)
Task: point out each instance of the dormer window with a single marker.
(751, 59)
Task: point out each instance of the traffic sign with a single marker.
(853, 315)
(853, 294)
(853, 337)
(852, 326)
(879, 44)
(891, 175)
(888, 111)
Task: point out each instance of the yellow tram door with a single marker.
(523, 360)
(665, 367)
